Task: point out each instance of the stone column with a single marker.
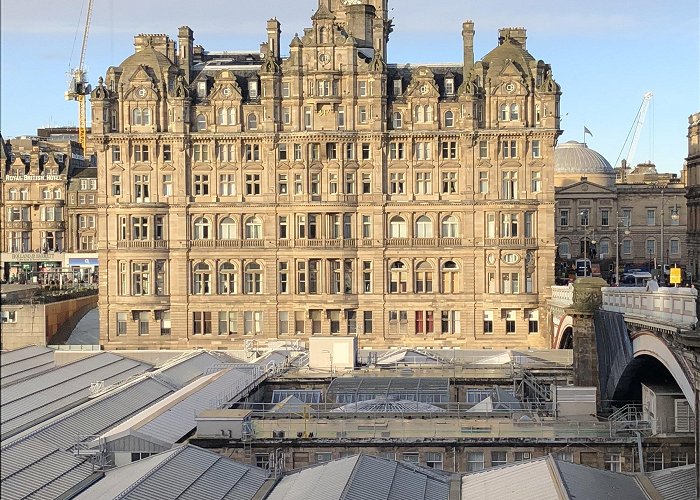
(587, 299)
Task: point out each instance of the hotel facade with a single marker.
(246, 196)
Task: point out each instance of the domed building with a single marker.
(574, 160)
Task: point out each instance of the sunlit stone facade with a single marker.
(250, 196)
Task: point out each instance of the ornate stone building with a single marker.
(643, 211)
(693, 194)
(250, 196)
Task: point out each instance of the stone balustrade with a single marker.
(675, 307)
(562, 296)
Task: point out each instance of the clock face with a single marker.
(141, 92)
(226, 92)
(510, 87)
(324, 58)
(424, 89)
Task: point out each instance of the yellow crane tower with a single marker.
(78, 87)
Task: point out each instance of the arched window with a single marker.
(227, 229)
(424, 277)
(201, 122)
(228, 281)
(252, 121)
(231, 116)
(202, 229)
(504, 112)
(24, 194)
(449, 119)
(221, 116)
(537, 113)
(428, 113)
(450, 277)
(136, 117)
(398, 277)
(12, 195)
(450, 227)
(514, 112)
(397, 120)
(146, 113)
(397, 227)
(564, 249)
(201, 283)
(57, 194)
(420, 114)
(253, 229)
(253, 278)
(323, 35)
(424, 227)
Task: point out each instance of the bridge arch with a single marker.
(564, 336)
(648, 344)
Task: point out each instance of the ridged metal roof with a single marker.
(186, 472)
(36, 399)
(21, 363)
(576, 157)
(676, 483)
(530, 480)
(385, 405)
(363, 477)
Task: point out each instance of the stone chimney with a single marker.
(468, 42)
(185, 38)
(519, 35)
(273, 38)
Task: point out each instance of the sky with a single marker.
(605, 54)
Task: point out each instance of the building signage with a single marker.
(676, 276)
(33, 178)
(32, 257)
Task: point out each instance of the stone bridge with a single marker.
(611, 328)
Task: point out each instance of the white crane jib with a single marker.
(637, 129)
(78, 87)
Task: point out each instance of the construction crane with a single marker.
(635, 131)
(78, 87)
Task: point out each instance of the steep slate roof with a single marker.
(363, 477)
(186, 472)
(38, 398)
(24, 362)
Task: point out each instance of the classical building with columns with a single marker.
(638, 210)
(247, 196)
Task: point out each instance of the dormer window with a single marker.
(253, 89)
(398, 87)
(449, 86)
(201, 89)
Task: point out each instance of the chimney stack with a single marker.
(185, 38)
(468, 41)
(273, 38)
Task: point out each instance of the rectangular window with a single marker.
(675, 247)
(282, 183)
(282, 152)
(425, 322)
(201, 153)
(397, 183)
(536, 151)
(536, 182)
(252, 322)
(449, 182)
(228, 322)
(397, 151)
(141, 188)
(398, 87)
(297, 152)
(307, 117)
(315, 151)
(351, 317)
(521, 456)
(411, 457)
(201, 184)
(475, 461)
(283, 229)
(449, 150)
(483, 182)
(509, 185)
(433, 460)
(298, 184)
(116, 185)
(121, 323)
(367, 321)
(201, 323)
(341, 119)
(423, 151)
(165, 323)
(605, 217)
(367, 276)
(331, 151)
(509, 149)
(483, 149)
(285, 89)
(350, 151)
(366, 151)
(533, 321)
(564, 217)
(299, 322)
(362, 88)
(251, 152)
(510, 321)
(627, 247)
(227, 184)
(655, 461)
(651, 216)
(167, 152)
(499, 458)
(283, 273)
(252, 184)
(366, 183)
(167, 185)
(350, 183)
(613, 462)
(450, 322)
(424, 183)
(143, 322)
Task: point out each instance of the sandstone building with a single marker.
(693, 195)
(250, 196)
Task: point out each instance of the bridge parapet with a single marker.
(674, 307)
(562, 296)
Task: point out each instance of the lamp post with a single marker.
(584, 222)
(617, 245)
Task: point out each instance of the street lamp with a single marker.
(617, 245)
(584, 222)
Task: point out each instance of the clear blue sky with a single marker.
(604, 54)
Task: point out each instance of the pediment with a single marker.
(168, 167)
(484, 164)
(117, 168)
(226, 87)
(587, 188)
(141, 75)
